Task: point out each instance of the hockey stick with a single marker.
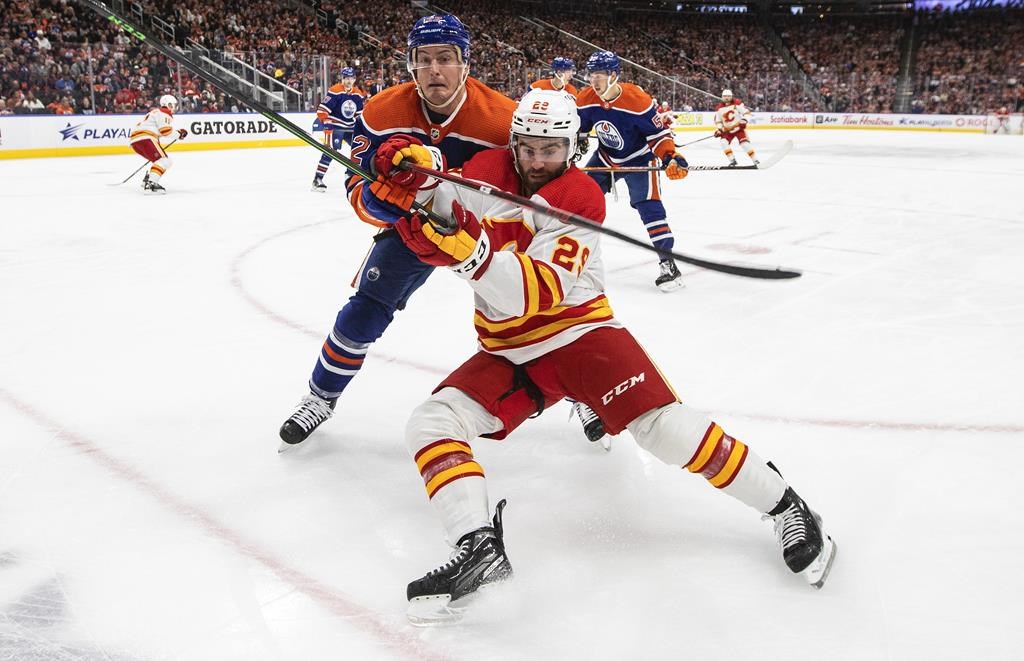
(580, 221)
(224, 85)
(692, 142)
(764, 165)
(443, 223)
(143, 166)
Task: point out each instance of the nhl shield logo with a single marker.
(608, 135)
(435, 134)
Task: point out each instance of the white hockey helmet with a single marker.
(168, 101)
(726, 94)
(547, 114)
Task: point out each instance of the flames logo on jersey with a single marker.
(348, 109)
(609, 135)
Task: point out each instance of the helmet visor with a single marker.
(440, 57)
(533, 149)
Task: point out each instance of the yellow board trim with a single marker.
(51, 152)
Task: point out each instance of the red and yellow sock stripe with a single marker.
(719, 457)
(445, 461)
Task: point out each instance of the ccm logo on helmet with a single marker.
(622, 387)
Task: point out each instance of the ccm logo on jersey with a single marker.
(608, 135)
(622, 387)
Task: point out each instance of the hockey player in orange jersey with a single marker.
(546, 332)
(453, 116)
(145, 141)
(562, 70)
(731, 118)
(630, 134)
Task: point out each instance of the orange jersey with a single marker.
(628, 128)
(546, 84)
(482, 121)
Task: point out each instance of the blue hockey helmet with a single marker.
(348, 72)
(439, 29)
(603, 60)
(562, 64)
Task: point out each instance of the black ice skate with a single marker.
(308, 415)
(479, 560)
(670, 278)
(806, 548)
(153, 188)
(318, 186)
(592, 425)
(732, 163)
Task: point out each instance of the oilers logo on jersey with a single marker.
(609, 135)
(349, 109)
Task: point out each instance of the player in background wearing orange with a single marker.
(562, 70)
(731, 119)
(145, 140)
(337, 114)
(630, 134)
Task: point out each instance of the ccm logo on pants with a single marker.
(622, 387)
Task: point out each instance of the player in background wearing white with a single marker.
(665, 114)
(546, 331)
(731, 119)
(145, 140)
(1002, 121)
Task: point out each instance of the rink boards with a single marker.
(90, 135)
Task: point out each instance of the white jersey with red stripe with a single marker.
(731, 117)
(157, 123)
(544, 286)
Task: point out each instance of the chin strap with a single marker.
(612, 92)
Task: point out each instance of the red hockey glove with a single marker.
(743, 124)
(467, 250)
(394, 185)
(182, 133)
(676, 166)
(719, 133)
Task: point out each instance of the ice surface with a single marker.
(151, 346)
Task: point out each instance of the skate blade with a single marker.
(817, 572)
(434, 610)
(285, 446)
(671, 285)
(606, 442)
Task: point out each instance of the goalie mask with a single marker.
(545, 126)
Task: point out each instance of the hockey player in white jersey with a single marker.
(145, 140)
(731, 118)
(546, 332)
